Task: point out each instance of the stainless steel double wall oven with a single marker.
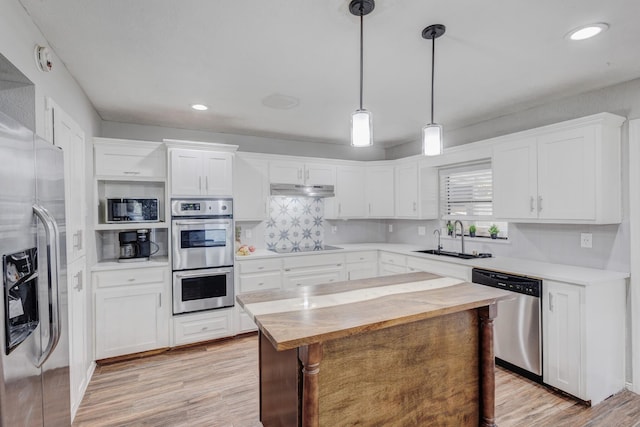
(202, 251)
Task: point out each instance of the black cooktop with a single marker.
(294, 249)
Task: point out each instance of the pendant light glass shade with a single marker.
(432, 140)
(361, 129)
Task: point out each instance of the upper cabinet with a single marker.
(379, 191)
(349, 201)
(297, 172)
(197, 172)
(250, 188)
(567, 173)
(416, 191)
(129, 160)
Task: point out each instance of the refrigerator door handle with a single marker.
(53, 268)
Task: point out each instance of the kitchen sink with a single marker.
(454, 254)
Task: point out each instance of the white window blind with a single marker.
(466, 192)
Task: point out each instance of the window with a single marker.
(466, 194)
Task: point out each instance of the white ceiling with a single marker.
(147, 61)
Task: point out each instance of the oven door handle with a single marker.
(202, 273)
(204, 222)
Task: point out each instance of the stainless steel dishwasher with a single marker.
(517, 329)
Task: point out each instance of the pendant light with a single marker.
(361, 126)
(432, 133)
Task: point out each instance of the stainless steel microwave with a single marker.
(132, 210)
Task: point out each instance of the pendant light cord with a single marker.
(361, 49)
(433, 55)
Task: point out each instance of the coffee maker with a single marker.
(134, 245)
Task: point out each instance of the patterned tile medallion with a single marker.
(295, 224)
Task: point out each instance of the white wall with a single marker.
(18, 37)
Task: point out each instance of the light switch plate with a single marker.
(586, 240)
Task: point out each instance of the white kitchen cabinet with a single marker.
(361, 265)
(255, 275)
(379, 191)
(349, 201)
(201, 173)
(250, 188)
(584, 338)
(297, 172)
(129, 159)
(80, 354)
(132, 310)
(567, 173)
(391, 263)
(441, 268)
(202, 326)
(406, 190)
(312, 270)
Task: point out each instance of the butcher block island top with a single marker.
(411, 349)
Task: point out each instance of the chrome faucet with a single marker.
(439, 245)
(455, 227)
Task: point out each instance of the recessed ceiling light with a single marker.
(199, 107)
(587, 31)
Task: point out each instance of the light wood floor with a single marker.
(217, 385)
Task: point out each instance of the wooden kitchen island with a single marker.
(407, 350)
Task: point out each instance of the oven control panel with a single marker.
(202, 208)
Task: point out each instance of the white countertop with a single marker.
(543, 270)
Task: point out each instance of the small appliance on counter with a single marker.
(135, 246)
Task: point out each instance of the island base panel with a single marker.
(415, 374)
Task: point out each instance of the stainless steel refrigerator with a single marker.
(34, 362)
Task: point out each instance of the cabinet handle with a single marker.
(206, 184)
(132, 172)
(131, 280)
(287, 269)
(551, 302)
(531, 207)
(339, 208)
(78, 277)
(338, 265)
(159, 300)
(204, 328)
(307, 177)
(299, 174)
(539, 203)
(199, 183)
(261, 267)
(369, 208)
(261, 283)
(414, 206)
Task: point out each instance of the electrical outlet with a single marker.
(390, 228)
(248, 234)
(586, 240)
(422, 231)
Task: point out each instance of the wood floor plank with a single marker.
(216, 385)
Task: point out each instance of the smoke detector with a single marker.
(43, 58)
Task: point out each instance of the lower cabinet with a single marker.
(441, 268)
(132, 310)
(255, 275)
(584, 338)
(390, 263)
(203, 326)
(312, 270)
(361, 265)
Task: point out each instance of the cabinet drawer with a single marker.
(441, 268)
(368, 256)
(391, 258)
(129, 160)
(306, 277)
(259, 265)
(210, 325)
(260, 281)
(313, 260)
(389, 269)
(130, 277)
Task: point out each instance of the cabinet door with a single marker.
(428, 192)
(79, 354)
(319, 174)
(131, 320)
(311, 276)
(217, 173)
(350, 194)
(70, 137)
(562, 337)
(286, 172)
(567, 175)
(186, 173)
(250, 189)
(406, 185)
(515, 188)
(380, 191)
(362, 270)
(129, 159)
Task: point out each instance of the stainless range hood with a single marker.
(298, 190)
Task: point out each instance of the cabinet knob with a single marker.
(261, 283)
(204, 328)
(132, 279)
